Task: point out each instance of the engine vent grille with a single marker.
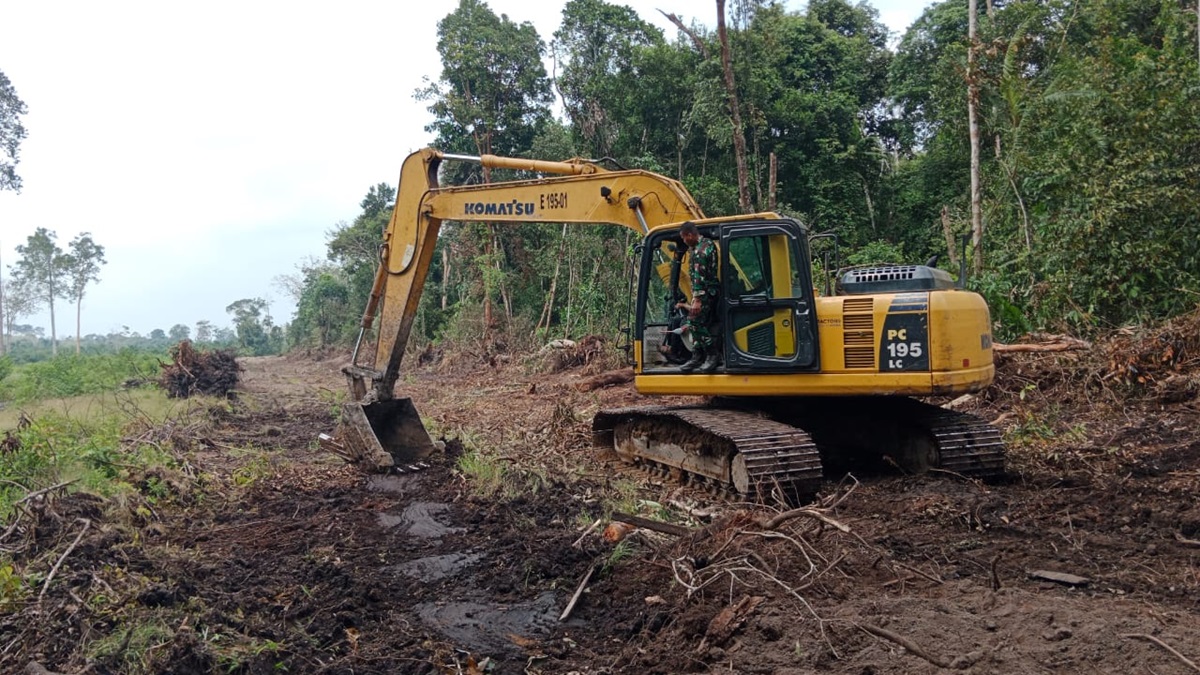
(762, 340)
(858, 332)
(892, 273)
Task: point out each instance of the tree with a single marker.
(492, 98)
(42, 266)
(248, 322)
(597, 46)
(179, 332)
(204, 331)
(735, 112)
(12, 132)
(82, 266)
(324, 310)
(493, 93)
(158, 335)
(19, 301)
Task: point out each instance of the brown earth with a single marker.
(271, 555)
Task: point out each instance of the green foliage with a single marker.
(1088, 116)
(256, 332)
(88, 453)
(598, 44)
(12, 132)
(71, 375)
(493, 91)
(877, 251)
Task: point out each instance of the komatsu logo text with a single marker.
(513, 208)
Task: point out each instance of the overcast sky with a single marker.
(209, 147)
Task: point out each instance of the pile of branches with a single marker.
(1147, 356)
(192, 371)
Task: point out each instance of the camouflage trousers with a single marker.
(701, 326)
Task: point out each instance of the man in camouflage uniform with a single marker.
(703, 257)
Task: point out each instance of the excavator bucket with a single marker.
(381, 435)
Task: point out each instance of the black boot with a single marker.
(710, 361)
(695, 361)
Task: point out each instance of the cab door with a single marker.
(768, 314)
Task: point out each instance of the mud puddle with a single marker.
(488, 629)
(393, 484)
(434, 568)
(420, 519)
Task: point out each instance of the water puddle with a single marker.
(391, 484)
(487, 628)
(419, 519)
(437, 567)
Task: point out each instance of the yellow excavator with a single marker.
(809, 383)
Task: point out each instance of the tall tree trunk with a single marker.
(445, 276)
(739, 140)
(548, 309)
(78, 322)
(973, 124)
(772, 177)
(53, 332)
(499, 260)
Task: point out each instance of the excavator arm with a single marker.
(578, 192)
(378, 427)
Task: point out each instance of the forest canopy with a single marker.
(1089, 170)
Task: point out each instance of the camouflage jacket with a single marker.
(703, 267)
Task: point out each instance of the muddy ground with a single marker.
(269, 554)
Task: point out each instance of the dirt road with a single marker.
(1084, 560)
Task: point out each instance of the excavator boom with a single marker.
(578, 192)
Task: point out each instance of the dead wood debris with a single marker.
(1060, 578)
(908, 644)
(611, 378)
(1150, 638)
(566, 354)
(729, 620)
(192, 371)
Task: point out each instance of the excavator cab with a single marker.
(766, 316)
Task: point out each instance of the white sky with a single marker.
(210, 146)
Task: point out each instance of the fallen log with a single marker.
(1063, 346)
(608, 379)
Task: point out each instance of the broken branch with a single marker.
(1150, 638)
(578, 592)
(657, 526)
(50, 577)
(906, 643)
(806, 511)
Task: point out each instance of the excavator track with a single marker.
(753, 448)
(871, 433)
(737, 451)
(966, 444)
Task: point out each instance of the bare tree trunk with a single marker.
(739, 141)
(948, 231)
(78, 321)
(548, 308)
(696, 41)
(973, 124)
(445, 276)
(772, 177)
(53, 332)
(499, 259)
(758, 189)
(570, 290)
(870, 204)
